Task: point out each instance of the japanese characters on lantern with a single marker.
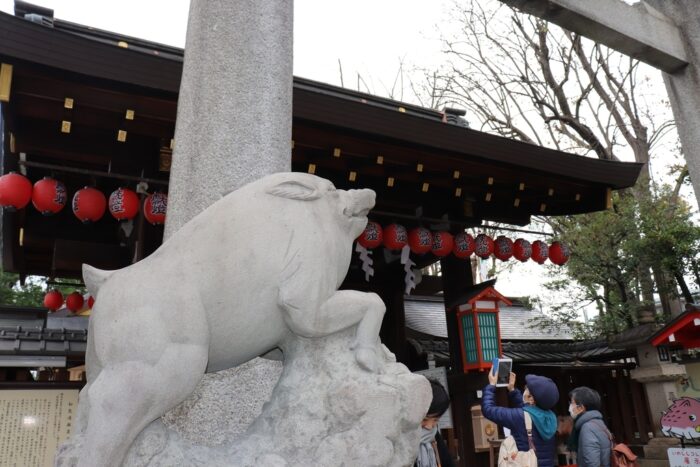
(155, 207)
(123, 204)
(49, 196)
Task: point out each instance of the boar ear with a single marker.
(94, 278)
(294, 189)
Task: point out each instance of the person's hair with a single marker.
(441, 401)
(586, 397)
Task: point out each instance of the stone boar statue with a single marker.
(262, 262)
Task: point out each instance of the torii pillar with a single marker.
(234, 126)
(665, 34)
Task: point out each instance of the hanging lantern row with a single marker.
(53, 300)
(49, 197)
(420, 241)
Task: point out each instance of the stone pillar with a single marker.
(234, 126)
(234, 116)
(683, 85)
(659, 379)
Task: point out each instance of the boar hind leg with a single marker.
(343, 309)
(126, 396)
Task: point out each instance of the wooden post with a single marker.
(456, 276)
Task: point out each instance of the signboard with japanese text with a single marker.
(33, 422)
(684, 457)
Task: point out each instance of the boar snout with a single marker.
(358, 202)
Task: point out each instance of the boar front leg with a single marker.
(343, 309)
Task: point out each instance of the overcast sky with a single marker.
(368, 36)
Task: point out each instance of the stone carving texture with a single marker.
(257, 270)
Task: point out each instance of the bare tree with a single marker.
(523, 78)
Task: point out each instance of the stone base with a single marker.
(657, 448)
(325, 410)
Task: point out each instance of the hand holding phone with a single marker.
(503, 375)
(493, 374)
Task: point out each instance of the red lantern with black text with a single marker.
(53, 300)
(483, 246)
(49, 196)
(395, 237)
(559, 253)
(522, 250)
(420, 240)
(123, 204)
(540, 251)
(442, 244)
(463, 245)
(155, 207)
(503, 248)
(74, 301)
(15, 191)
(89, 204)
(372, 236)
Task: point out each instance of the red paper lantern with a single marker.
(559, 253)
(123, 204)
(464, 245)
(89, 204)
(522, 250)
(503, 248)
(74, 301)
(91, 302)
(420, 240)
(540, 251)
(53, 300)
(372, 236)
(483, 246)
(443, 242)
(49, 196)
(395, 237)
(155, 207)
(15, 191)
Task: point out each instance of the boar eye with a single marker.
(693, 418)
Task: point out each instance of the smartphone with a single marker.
(504, 368)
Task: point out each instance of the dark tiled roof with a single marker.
(583, 351)
(569, 353)
(22, 340)
(31, 331)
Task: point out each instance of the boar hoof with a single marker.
(388, 354)
(366, 357)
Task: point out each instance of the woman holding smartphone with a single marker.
(540, 396)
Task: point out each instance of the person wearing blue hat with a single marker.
(538, 399)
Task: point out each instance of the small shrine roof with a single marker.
(683, 331)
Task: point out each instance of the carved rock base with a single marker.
(324, 410)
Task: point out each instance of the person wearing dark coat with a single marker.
(540, 396)
(590, 438)
(432, 451)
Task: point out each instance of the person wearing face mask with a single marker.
(590, 438)
(433, 451)
(540, 396)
